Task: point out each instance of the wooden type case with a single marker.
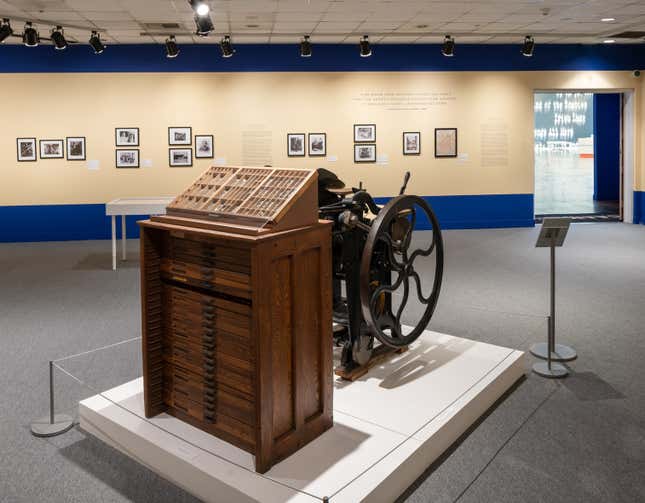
(237, 332)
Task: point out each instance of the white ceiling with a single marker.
(337, 21)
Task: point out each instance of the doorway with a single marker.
(578, 159)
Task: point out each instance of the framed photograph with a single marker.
(75, 148)
(26, 149)
(317, 144)
(180, 157)
(365, 153)
(445, 142)
(180, 136)
(204, 146)
(411, 143)
(364, 133)
(127, 136)
(127, 158)
(296, 145)
(51, 149)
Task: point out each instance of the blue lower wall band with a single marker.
(639, 207)
(69, 222)
(60, 222)
(480, 211)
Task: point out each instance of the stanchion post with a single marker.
(53, 424)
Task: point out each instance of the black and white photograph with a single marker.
(204, 146)
(75, 148)
(127, 136)
(51, 149)
(180, 157)
(26, 149)
(411, 143)
(365, 153)
(127, 158)
(180, 136)
(364, 133)
(296, 145)
(317, 144)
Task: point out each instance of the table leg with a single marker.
(114, 242)
(123, 237)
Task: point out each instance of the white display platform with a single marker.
(389, 426)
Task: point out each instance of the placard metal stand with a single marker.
(552, 235)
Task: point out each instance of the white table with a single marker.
(132, 206)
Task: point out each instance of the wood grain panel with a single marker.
(282, 346)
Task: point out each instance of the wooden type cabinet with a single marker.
(237, 333)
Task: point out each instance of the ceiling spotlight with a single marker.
(364, 44)
(305, 47)
(95, 42)
(528, 46)
(226, 46)
(204, 25)
(200, 7)
(171, 47)
(609, 41)
(608, 19)
(5, 30)
(30, 36)
(448, 48)
(58, 37)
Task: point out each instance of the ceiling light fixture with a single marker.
(200, 7)
(305, 47)
(448, 48)
(364, 44)
(95, 42)
(608, 19)
(30, 36)
(226, 46)
(5, 30)
(204, 25)
(609, 41)
(171, 47)
(58, 37)
(528, 46)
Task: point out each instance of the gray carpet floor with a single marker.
(581, 439)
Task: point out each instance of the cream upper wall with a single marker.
(50, 106)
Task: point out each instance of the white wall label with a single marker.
(220, 161)
(332, 158)
(382, 159)
(463, 157)
(93, 164)
(147, 163)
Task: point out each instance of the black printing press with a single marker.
(374, 253)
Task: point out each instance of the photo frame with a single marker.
(365, 152)
(411, 143)
(317, 144)
(180, 135)
(445, 142)
(364, 133)
(296, 144)
(52, 149)
(75, 148)
(204, 146)
(126, 136)
(180, 157)
(26, 149)
(127, 158)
